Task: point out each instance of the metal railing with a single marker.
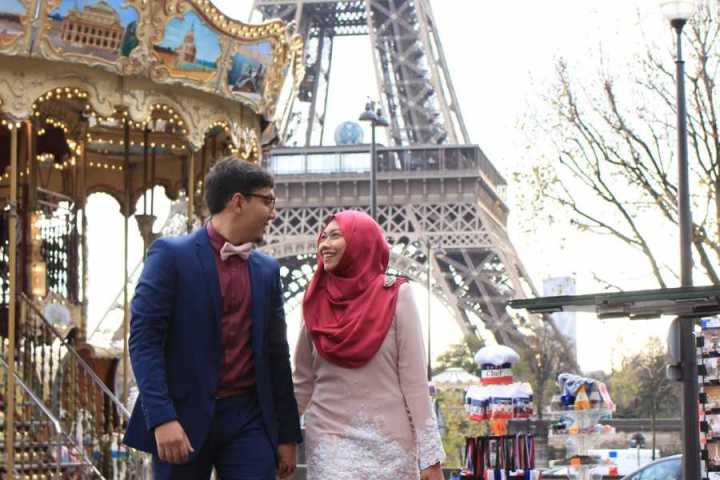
(41, 445)
(90, 413)
(356, 159)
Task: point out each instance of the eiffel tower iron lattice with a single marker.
(440, 199)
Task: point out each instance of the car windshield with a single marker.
(665, 470)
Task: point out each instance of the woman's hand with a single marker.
(433, 472)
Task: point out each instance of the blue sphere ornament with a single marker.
(349, 133)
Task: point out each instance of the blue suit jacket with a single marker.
(175, 343)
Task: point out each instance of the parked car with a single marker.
(668, 468)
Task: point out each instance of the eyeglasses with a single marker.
(269, 200)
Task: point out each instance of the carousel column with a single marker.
(191, 190)
(126, 213)
(146, 219)
(153, 161)
(202, 208)
(12, 264)
(214, 149)
(27, 156)
(82, 196)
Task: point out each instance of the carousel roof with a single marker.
(150, 51)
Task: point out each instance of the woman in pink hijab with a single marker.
(360, 371)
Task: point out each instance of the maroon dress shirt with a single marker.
(237, 373)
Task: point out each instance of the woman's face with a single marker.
(332, 246)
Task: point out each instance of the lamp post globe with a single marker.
(678, 10)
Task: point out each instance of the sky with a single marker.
(13, 6)
(501, 57)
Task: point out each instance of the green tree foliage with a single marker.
(460, 355)
(640, 388)
(456, 425)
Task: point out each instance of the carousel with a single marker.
(119, 97)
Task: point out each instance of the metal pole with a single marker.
(12, 265)
(429, 298)
(146, 166)
(691, 432)
(83, 238)
(191, 191)
(373, 174)
(126, 309)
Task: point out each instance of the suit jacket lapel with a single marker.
(207, 261)
(257, 299)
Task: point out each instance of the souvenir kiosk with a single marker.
(495, 401)
(687, 304)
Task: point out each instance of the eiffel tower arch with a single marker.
(440, 199)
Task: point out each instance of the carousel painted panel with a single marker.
(188, 51)
(266, 71)
(248, 70)
(95, 32)
(259, 64)
(15, 25)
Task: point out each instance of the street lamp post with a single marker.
(429, 304)
(678, 12)
(375, 117)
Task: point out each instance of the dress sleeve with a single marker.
(412, 372)
(304, 374)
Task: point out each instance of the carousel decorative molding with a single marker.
(182, 43)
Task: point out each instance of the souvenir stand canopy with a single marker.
(686, 303)
(113, 96)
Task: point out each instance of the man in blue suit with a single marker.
(208, 343)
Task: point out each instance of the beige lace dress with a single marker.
(375, 422)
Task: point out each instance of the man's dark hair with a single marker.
(230, 176)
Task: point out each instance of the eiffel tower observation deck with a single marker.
(440, 199)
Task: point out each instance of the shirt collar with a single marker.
(216, 240)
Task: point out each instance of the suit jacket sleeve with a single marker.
(286, 409)
(152, 309)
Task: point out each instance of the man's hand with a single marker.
(287, 459)
(172, 444)
(433, 472)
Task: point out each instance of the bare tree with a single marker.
(612, 165)
(544, 359)
(655, 390)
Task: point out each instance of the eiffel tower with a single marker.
(440, 199)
